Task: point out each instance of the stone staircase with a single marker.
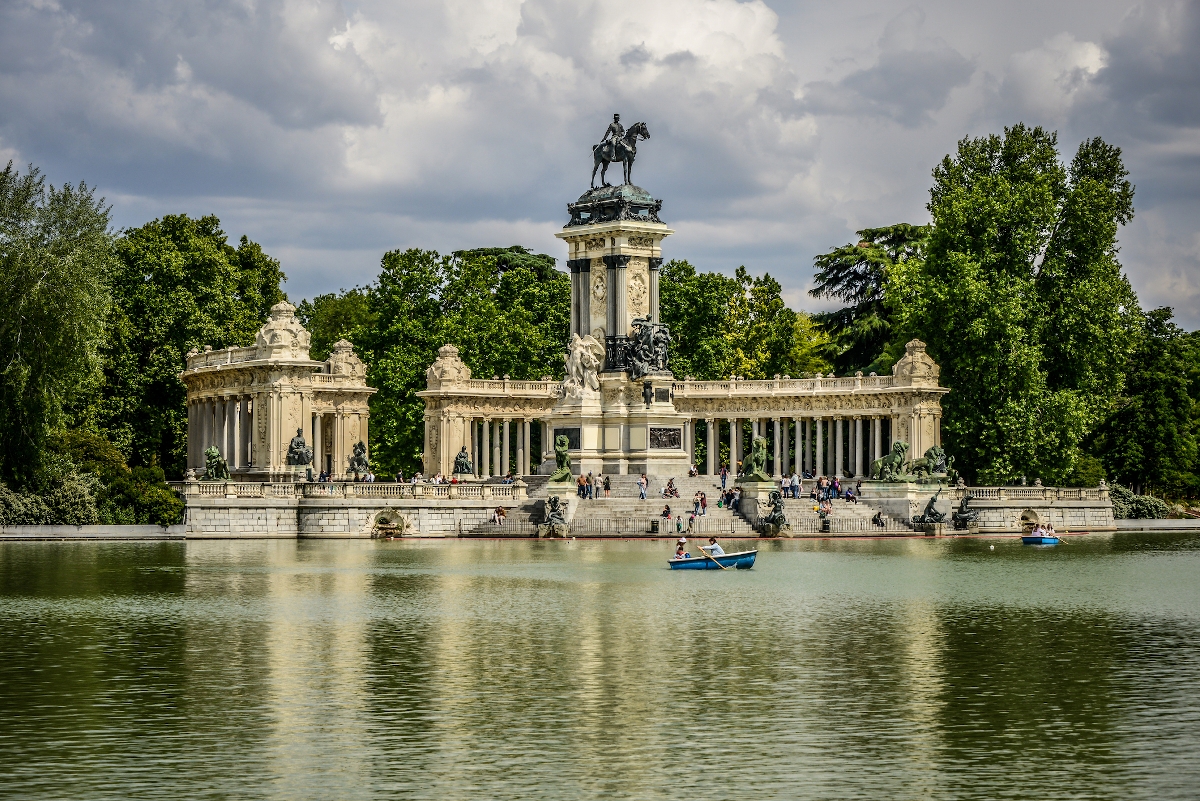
(623, 514)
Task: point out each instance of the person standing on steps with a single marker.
(607, 487)
(643, 484)
(724, 475)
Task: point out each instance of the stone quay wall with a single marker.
(243, 510)
(1002, 510)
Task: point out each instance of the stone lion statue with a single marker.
(562, 459)
(754, 466)
(934, 462)
(215, 467)
(890, 467)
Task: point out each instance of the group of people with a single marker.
(590, 487)
(326, 477)
(712, 549)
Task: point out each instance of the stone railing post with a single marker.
(452, 492)
(418, 490)
(519, 490)
(1001, 494)
(485, 491)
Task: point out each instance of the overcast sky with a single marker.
(331, 132)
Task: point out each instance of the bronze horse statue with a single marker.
(624, 151)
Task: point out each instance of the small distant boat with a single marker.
(1039, 539)
(742, 560)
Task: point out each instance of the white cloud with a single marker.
(332, 132)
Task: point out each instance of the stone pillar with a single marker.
(858, 447)
(733, 445)
(526, 429)
(784, 446)
(235, 435)
(819, 461)
(689, 430)
(776, 467)
(877, 437)
(838, 444)
(710, 441)
(485, 447)
(505, 459)
(654, 265)
(318, 443)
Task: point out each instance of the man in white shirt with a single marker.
(713, 548)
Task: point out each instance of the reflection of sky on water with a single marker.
(900, 668)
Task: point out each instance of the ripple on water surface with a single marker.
(511, 670)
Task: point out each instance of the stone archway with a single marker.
(1030, 519)
(389, 523)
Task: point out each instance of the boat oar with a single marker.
(710, 556)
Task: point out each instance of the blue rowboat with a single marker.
(1037, 539)
(742, 560)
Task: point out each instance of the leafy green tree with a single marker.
(856, 274)
(1149, 441)
(504, 311)
(177, 284)
(55, 251)
(1014, 232)
(739, 325)
(332, 317)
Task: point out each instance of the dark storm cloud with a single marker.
(911, 79)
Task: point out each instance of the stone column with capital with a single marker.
(486, 448)
(776, 466)
(506, 455)
(858, 448)
(733, 445)
(710, 441)
(819, 461)
(838, 445)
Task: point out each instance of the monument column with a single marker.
(733, 446)
(654, 264)
(876, 437)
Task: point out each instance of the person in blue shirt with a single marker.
(713, 548)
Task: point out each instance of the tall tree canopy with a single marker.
(1149, 441)
(507, 313)
(177, 284)
(55, 252)
(1021, 299)
(856, 274)
(723, 326)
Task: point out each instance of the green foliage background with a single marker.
(1015, 284)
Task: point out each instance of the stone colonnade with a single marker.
(818, 445)
(250, 401)
(500, 445)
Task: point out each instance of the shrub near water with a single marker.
(1129, 506)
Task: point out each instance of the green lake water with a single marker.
(884, 669)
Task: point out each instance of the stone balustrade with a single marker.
(516, 491)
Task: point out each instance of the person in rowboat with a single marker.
(713, 548)
(680, 552)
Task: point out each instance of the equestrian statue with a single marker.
(617, 145)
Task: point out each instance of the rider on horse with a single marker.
(614, 135)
